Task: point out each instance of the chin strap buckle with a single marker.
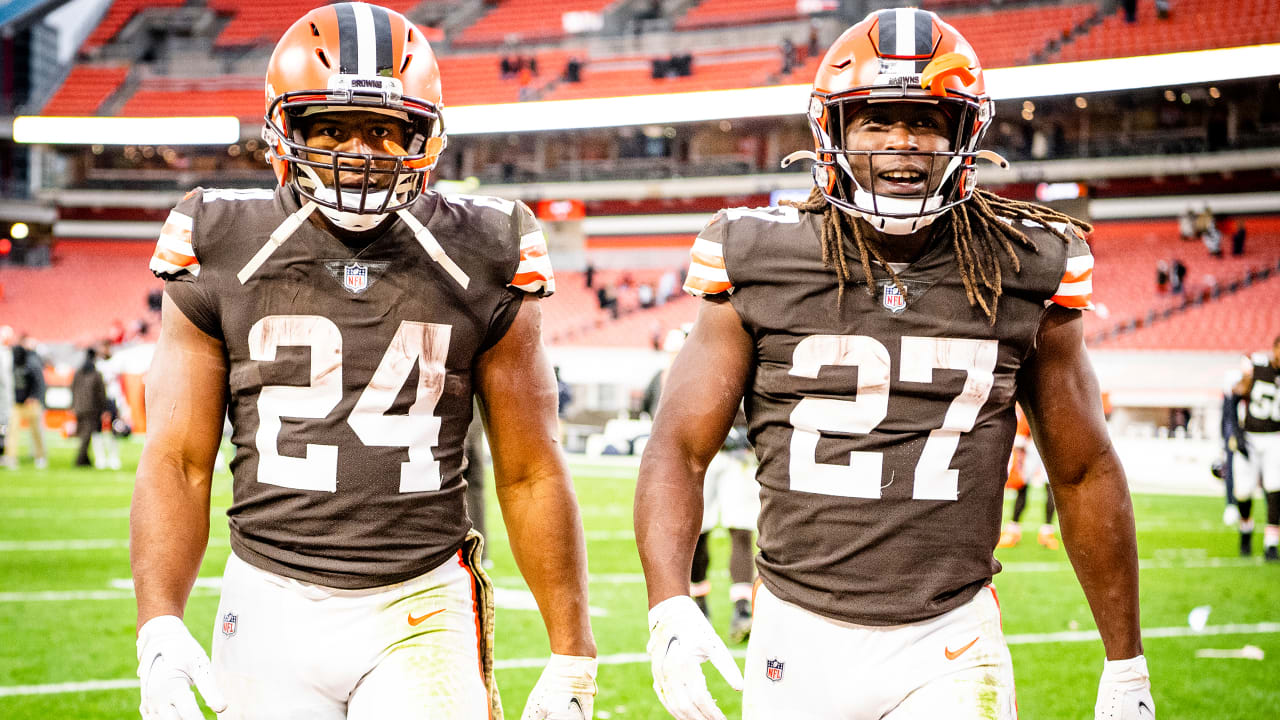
(993, 157)
(799, 155)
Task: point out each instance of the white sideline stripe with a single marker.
(1165, 632)
(639, 658)
(71, 687)
(99, 544)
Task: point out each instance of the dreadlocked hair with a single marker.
(977, 234)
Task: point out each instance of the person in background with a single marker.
(89, 403)
(1256, 447)
(730, 499)
(6, 386)
(1238, 237)
(1187, 225)
(28, 403)
(1026, 470)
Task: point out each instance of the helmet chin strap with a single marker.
(432, 246)
(355, 222)
(283, 232)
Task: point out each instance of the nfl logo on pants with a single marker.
(773, 669)
(229, 624)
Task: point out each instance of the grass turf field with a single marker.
(67, 614)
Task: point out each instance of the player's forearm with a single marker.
(667, 518)
(544, 529)
(1098, 533)
(168, 534)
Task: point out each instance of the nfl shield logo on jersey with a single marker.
(773, 669)
(229, 624)
(355, 277)
(893, 299)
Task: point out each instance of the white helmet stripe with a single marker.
(366, 41)
(905, 38)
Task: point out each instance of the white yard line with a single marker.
(94, 544)
(639, 658)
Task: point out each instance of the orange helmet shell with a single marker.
(907, 55)
(354, 56)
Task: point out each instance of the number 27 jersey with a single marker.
(350, 372)
(883, 421)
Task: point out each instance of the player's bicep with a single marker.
(1060, 392)
(704, 386)
(518, 397)
(185, 395)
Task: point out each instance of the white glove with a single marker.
(565, 691)
(680, 640)
(169, 662)
(1124, 693)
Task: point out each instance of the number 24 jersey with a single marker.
(883, 422)
(350, 372)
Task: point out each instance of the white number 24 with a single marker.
(425, 345)
(934, 480)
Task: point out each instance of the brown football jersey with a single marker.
(350, 372)
(1262, 406)
(883, 425)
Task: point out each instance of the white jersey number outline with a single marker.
(934, 480)
(423, 344)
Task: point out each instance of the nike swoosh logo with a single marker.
(953, 654)
(416, 621)
(1143, 706)
(573, 703)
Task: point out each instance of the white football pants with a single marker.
(803, 666)
(1261, 469)
(730, 493)
(289, 650)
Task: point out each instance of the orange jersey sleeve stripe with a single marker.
(702, 258)
(528, 278)
(1077, 302)
(174, 258)
(701, 286)
(1071, 277)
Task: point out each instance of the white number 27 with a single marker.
(934, 480)
(425, 345)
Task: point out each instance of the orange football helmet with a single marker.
(354, 56)
(898, 55)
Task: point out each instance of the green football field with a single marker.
(67, 613)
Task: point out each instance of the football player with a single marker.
(346, 345)
(881, 333)
(1255, 447)
(1025, 471)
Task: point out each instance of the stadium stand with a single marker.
(255, 23)
(524, 21)
(91, 284)
(477, 79)
(1191, 25)
(1242, 321)
(118, 15)
(1014, 36)
(719, 13)
(1125, 292)
(712, 70)
(85, 89)
(234, 95)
